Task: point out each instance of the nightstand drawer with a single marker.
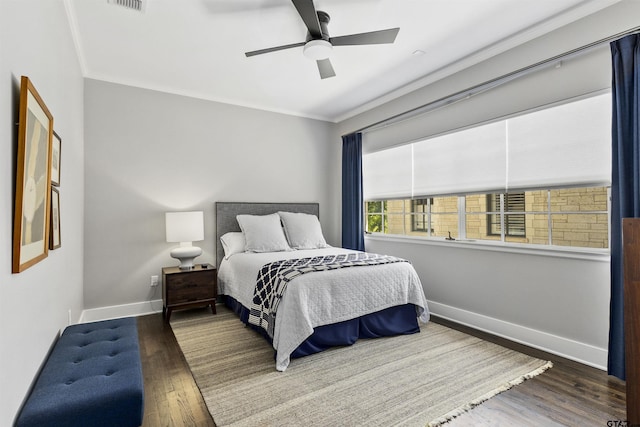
(185, 291)
(203, 279)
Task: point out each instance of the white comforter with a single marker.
(324, 297)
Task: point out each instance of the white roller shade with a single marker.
(462, 162)
(387, 174)
(561, 146)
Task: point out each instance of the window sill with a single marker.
(602, 255)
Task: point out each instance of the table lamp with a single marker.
(185, 227)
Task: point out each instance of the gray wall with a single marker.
(35, 41)
(149, 152)
(553, 302)
(559, 304)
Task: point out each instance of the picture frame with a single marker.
(33, 179)
(56, 146)
(54, 236)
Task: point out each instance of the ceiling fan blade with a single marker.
(325, 68)
(373, 37)
(308, 13)
(274, 49)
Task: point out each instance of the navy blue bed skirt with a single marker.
(399, 320)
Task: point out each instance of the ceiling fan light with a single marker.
(317, 49)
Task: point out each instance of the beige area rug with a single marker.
(413, 380)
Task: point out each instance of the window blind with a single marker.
(388, 174)
(564, 145)
(467, 161)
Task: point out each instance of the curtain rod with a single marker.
(490, 84)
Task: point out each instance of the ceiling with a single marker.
(196, 47)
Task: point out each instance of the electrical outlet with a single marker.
(154, 281)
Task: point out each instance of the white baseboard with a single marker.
(564, 347)
(124, 310)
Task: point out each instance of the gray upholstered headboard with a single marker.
(226, 216)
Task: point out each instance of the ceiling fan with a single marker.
(319, 44)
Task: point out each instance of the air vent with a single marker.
(138, 5)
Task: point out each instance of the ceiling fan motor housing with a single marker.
(323, 18)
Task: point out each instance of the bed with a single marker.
(330, 306)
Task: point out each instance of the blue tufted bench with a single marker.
(93, 377)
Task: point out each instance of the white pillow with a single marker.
(232, 243)
(263, 233)
(303, 231)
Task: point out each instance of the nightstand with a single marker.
(188, 288)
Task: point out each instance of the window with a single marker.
(574, 217)
(427, 217)
(375, 217)
(444, 217)
(420, 211)
(579, 217)
(555, 161)
(514, 223)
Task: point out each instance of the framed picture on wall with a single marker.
(56, 146)
(54, 239)
(33, 179)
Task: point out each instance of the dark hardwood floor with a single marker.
(171, 396)
(569, 394)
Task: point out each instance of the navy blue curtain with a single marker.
(625, 180)
(352, 202)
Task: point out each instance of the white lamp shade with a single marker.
(184, 226)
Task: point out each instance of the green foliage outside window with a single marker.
(376, 217)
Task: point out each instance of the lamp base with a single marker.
(186, 255)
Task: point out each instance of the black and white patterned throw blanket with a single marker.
(273, 279)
